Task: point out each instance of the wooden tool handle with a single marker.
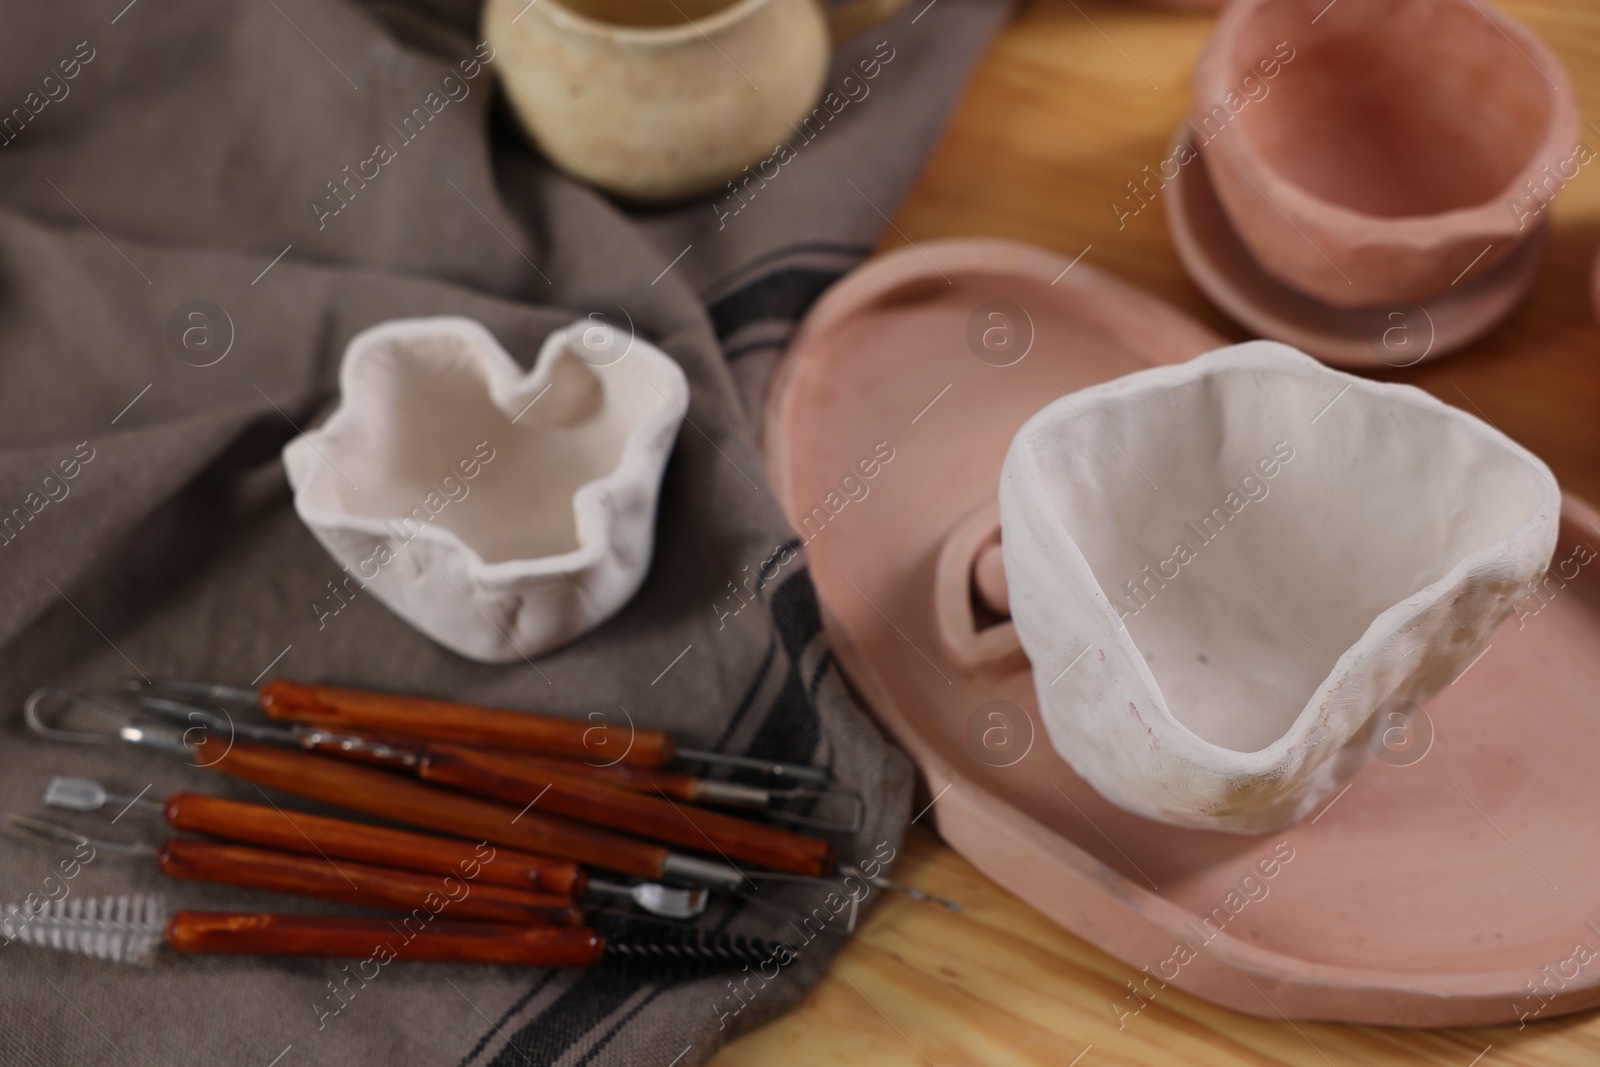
(359, 709)
(389, 796)
(737, 840)
(424, 895)
(651, 780)
(395, 751)
(298, 831)
(377, 941)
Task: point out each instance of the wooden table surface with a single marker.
(1070, 102)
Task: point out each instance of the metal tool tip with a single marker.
(46, 829)
(74, 794)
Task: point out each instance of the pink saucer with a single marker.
(1460, 868)
(1400, 336)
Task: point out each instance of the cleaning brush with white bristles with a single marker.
(126, 929)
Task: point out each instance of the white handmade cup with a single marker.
(655, 100)
(501, 512)
(1231, 575)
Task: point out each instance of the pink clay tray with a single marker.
(1225, 271)
(1429, 894)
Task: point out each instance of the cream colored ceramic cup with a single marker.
(655, 100)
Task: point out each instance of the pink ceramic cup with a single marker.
(1394, 144)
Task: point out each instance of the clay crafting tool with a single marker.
(476, 770)
(387, 796)
(348, 882)
(357, 710)
(129, 930)
(677, 785)
(338, 839)
(84, 794)
(296, 831)
(655, 817)
(400, 750)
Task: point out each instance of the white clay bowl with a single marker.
(1223, 570)
(501, 513)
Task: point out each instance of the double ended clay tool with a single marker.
(360, 884)
(388, 796)
(507, 777)
(130, 929)
(713, 791)
(339, 839)
(394, 749)
(357, 710)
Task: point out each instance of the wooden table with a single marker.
(1068, 104)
